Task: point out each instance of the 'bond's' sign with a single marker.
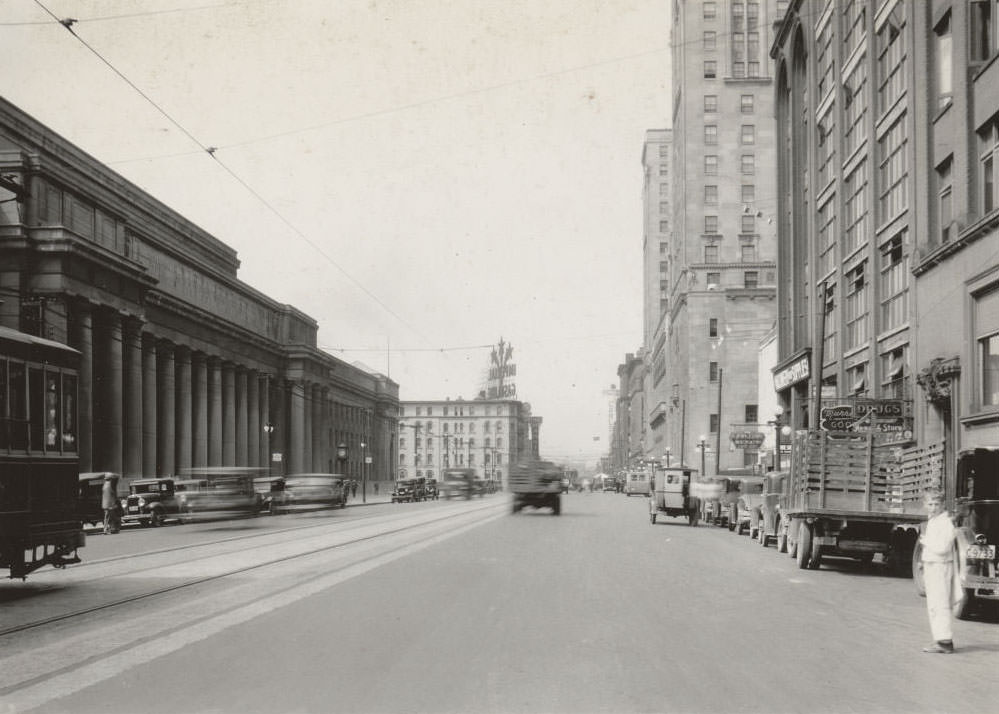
(792, 374)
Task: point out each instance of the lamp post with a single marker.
(666, 453)
(780, 427)
(364, 472)
(702, 443)
(269, 429)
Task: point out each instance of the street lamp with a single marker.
(364, 473)
(666, 453)
(269, 429)
(702, 442)
(779, 428)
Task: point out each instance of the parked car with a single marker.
(773, 500)
(748, 510)
(431, 489)
(636, 482)
(303, 492)
(228, 492)
(152, 501)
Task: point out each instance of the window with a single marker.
(748, 253)
(893, 171)
(748, 134)
(710, 10)
(711, 195)
(445, 426)
(710, 254)
(987, 332)
(752, 413)
(664, 226)
(430, 444)
(855, 218)
(826, 237)
(712, 371)
(748, 193)
(854, 24)
(831, 321)
(894, 283)
(988, 140)
(891, 58)
(710, 69)
(664, 189)
(943, 59)
(663, 207)
(710, 134)
(711, 165)
(713, 423)
(893, 373)
(445, 411)
(748, 224)
(825, 128)
(430, 410)
(825, 59)
(945, 189)
(710, 103)
(748, 165)
(664, 169)
(747, 104)
(499, 441)
(751, 279)
(856, 306)
(419, 411)
(710, 40)
(713, 327)
(856, 378)
(402, 442)
(983, 31)
(854, 108)
(714, 278)
(711, 224)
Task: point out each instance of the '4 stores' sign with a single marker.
(891, 419)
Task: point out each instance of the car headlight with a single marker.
(142, 502)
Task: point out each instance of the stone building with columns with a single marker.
(182, 364)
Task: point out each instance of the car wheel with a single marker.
(782, 542)
(144, 522)
(156, 519)
(815, 558)
(803, 546)
(652, 518)
(917, 570)
(556, 506)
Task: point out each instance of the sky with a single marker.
(421, 177)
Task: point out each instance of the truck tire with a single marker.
(781, 542)
(556, 506)
(815, 560)
(803, 546)
(692, 518)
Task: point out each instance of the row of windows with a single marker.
(740, 70)
(459, 459)
(455, 411)
(747, 164)
(429, 473)
(455, 443)
(747, 225)
(750, 279)
(747, 103)
(459, 427)
(747, 134)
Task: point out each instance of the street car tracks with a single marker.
(201, 569)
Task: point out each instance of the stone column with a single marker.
(306, 462)
(133, 398)
(253, 426)
(214, 412)
(166, 411)
(113, 418)
(183, 406)
(228, 415)
(199, 406)
(242, 418)
(83, 340)
(296, 450)
(325, 424)
(149, 403)
(317, 429)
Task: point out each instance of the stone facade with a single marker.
(182, 364)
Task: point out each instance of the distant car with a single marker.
(459, 483)
(636, 482)
(303, 492)
(270, 489)
(749, 507)
(609, 484)
(408, 490)
(152, 501)
(227, 492)
(431, 489)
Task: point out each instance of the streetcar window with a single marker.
(4, 420)
(69, 412)
(36, 408)
(51, 412)
(18, 391)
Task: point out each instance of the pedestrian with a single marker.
(353, 488)
(109, 501)
(376, 488)
(938, 572)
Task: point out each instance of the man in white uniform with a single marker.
(938, 571)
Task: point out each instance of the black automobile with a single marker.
(409, 490)
(151, 501)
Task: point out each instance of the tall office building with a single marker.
(720, 261)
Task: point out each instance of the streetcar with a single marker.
(40, 520)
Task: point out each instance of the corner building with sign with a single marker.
(182, 364)
(483, 434)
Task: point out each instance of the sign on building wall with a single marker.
(502, 371)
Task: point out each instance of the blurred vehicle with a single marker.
(432, 492)
(458, 483)
(270, 489)
(228, 492)
(608, 483)
(409, 490)
(636, 482)
(748, 508)
(40, 522)
(312, 491)
(672, 494)
(976, 514)
(91, 489)
(565, 484)
(537, 484)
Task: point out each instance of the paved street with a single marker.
(593, 611)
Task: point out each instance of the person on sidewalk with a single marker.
(109, 502)
(938, 572)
